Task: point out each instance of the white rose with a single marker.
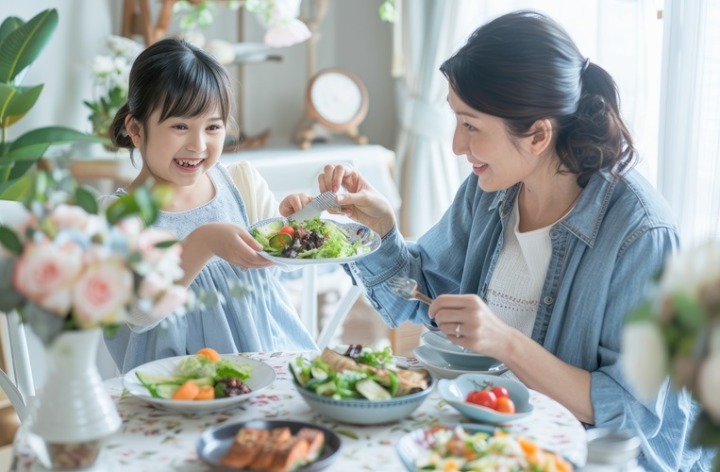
(644, 358)
(708, 385)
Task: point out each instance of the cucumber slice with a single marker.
(270, 228)
(372, 390)
(166, 391)
(318, 373)
(152, 379)
(326, 389)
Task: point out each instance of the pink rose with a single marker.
(69, 217)
(45, 272)
(102, 293)
(152, 236)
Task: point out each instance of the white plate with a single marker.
(262, 377)
(369, 239)
(441, 369)
(456, 355)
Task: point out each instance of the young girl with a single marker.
(178, 106)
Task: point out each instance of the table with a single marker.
(155, 440)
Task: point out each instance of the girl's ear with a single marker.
(541, 136)
(134, 130)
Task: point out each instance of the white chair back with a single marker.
(17, 383)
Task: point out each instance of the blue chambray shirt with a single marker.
(603, 254)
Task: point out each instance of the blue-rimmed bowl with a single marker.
(362, 411)
(455, 391)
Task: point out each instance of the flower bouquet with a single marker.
(110, 76)
(676, 332)
(71, 269)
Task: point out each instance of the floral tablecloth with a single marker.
(154, 440)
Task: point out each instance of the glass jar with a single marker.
(611, 451)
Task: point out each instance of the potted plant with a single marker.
(20, 44)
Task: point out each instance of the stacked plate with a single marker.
(446, 360)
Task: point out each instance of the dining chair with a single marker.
(17, 382)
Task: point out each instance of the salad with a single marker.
(204, 376)
(310, 239)
(455, 449)
(359, 373)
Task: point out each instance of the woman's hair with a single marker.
(179, 79)
(523, 67)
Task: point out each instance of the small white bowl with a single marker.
(366, 412)
(455, 355)
(455, 391)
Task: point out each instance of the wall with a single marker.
(272, 94)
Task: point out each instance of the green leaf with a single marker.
(690, 313)
(10, 240)
(166, 244)
(86, 200)
(23, 45)
(15, 102)
(642, 313)
(9, 25)
(24, 146)
(17, 189)
(121, 208)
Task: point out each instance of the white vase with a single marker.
(73, 414)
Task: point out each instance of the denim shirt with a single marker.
(603, 254)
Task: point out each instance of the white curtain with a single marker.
(689, 162)
(622, 36)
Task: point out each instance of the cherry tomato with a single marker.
(287, 230)
(501, 392)
(483, 398)
(505, 405)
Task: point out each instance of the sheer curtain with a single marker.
(622, 36)
(689, 158)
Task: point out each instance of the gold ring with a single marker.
(457, 330)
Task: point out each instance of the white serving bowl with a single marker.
(455, 355)
(455, 391)
(362, 411)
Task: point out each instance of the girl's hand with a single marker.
(480, 330)
(362, 202)
(293, 203)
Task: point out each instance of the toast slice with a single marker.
(289, 455)
(315, 439)
(275, 440)
(245, 447)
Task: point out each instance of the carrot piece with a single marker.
(207, 392)
(210, 353)
(187, 391)
(561, 464)
(528, 447)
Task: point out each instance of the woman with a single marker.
(548, 243)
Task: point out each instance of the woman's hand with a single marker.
(362, 202)
(478, 328)
(225, 240)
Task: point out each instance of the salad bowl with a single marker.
(336, 393)
(356, 241)
(455, 393)
(261, 377)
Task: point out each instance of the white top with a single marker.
(517, 282)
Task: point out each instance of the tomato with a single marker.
(501, 392)
(287, 230)
(505, 405)
(483, 398)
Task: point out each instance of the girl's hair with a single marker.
(179, 79)
(523, 67)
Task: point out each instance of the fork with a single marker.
(407, 288)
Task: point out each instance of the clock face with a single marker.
(336, 97)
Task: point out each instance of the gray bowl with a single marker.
(365, 412)
(455, 355)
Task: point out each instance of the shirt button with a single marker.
(554, 234)
(548, 300)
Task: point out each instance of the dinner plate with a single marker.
(369, 240)
(215, 442)
(455, 391)
(456, 355)
(262, 377)
(441, 369)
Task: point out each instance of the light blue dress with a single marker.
(262, 320)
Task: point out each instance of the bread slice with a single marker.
(264, 459)
(315, 439)
(245, 447)
(290, 454)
